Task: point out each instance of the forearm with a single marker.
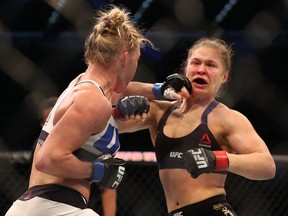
(64, 167)
(139, 88)
(175, 87)
(109, 202)
(255, 166)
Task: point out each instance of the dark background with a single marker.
(41, 50)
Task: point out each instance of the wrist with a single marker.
(116, 113)
(98, 170)
(157, 90)
(222, 160)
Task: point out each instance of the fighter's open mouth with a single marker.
(199, 81)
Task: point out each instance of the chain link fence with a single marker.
(141, 194)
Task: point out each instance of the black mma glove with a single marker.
(131, 105)
(199, 161)
(107, 171)
(172, 84)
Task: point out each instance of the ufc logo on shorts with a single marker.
(120, 174)
(178, 214)
(200, 160)
(176, 154)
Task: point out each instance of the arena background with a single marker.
(41, 49)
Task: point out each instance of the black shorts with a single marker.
(57, 193)
(50, 199)
(214, 206)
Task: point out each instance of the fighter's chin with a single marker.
(120, 89)
(197, 92)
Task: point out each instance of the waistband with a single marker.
(57, 193)
(202, 206)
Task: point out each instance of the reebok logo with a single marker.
(176, 154)
(205, 140)
(178, 214)
(120, 174)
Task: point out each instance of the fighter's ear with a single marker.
(225, 76)
(123, 58)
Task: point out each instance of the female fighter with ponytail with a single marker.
(198, 139)
(80, 136)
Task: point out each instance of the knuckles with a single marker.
(133, 105)
(177, 81)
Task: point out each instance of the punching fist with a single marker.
(199, 161)
(108, 171)
(131, 105)
(172, 85)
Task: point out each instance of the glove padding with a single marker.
(173, 84)
(108, 172)
(131, 105)
(200, 160)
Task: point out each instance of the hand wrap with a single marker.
(200, 160)
(108, 171)
(173, 84)
(131, 105)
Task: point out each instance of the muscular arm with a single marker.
(135, 88)
(140, 88)
(252, 159)
(86, 115)
(179, 84)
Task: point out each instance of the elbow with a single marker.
(272, 171)
(41, 164)
(44, 164)
(268, 167)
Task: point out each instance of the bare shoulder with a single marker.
(92, 105)
(159, 107)
(229, 118)
(93, 100)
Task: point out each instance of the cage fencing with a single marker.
(141, 194)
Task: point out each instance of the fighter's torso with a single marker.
(179, 187)
(107, 141)
(169, 151)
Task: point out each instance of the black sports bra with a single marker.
(169, 151)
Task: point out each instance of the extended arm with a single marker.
(176, 86)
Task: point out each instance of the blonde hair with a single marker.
(221, 46)
(113, 31)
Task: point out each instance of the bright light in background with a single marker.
(139, 13)
(77, 12)
(226, 9)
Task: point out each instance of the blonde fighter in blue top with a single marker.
(80, 136)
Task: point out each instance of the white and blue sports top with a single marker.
(107, 141)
